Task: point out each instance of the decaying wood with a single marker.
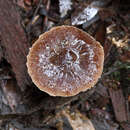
(14, 40)
(126, 126)
(118, 102)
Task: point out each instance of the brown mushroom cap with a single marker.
(65, 61)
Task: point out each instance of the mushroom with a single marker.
(65, 61)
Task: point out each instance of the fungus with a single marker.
(65, 61)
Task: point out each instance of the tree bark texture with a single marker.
(14, 41)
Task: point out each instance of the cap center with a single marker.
(65, 56)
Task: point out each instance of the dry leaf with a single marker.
(78, 121)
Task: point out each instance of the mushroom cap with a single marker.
(65, 61)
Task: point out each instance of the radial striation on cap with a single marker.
(65, 61)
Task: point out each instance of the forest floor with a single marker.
(104, 107)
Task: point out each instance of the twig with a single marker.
(45, 21)
(36, 10)
(5, 77)
(109, 72)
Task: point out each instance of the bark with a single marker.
(119, 105)
(14, 40)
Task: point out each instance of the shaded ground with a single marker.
(23, 106)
